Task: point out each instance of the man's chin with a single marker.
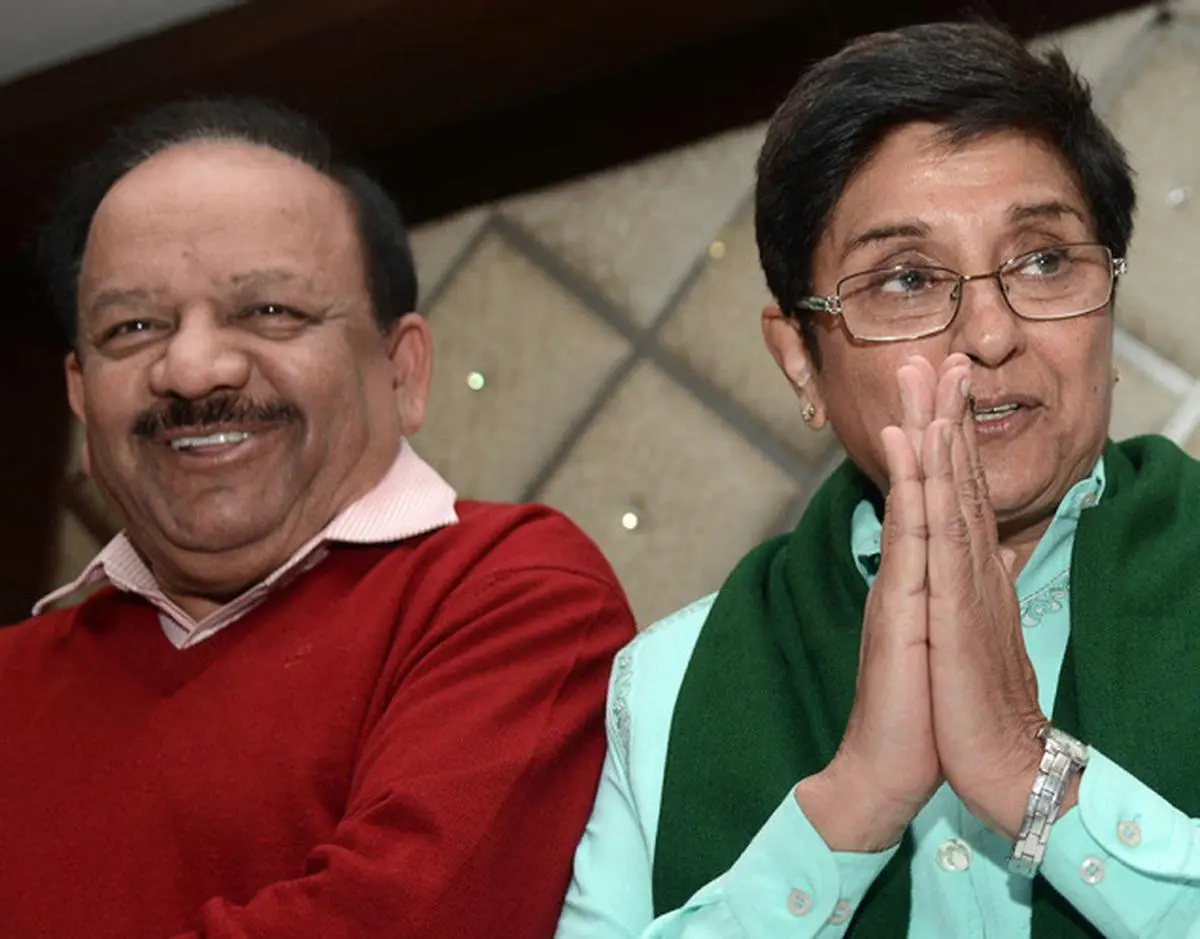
(213, 530)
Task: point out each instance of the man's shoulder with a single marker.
(512, 537)
(38, 631)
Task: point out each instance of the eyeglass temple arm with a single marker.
(830, 305)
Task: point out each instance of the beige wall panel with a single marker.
(1095, 47)
(437, 245)
(542, 356)
(716, 330)
(635, 232)
(1158, 119)
(1141, 405)
(702, 495)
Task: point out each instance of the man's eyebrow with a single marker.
(245, 280)
(267, 277)
(119, 296)
(1051, 209)
(911, 228)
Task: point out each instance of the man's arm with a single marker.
(474, 784)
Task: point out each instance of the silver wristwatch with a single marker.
(1063, 758)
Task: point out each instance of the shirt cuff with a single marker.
(788, 872)
(1123, 855)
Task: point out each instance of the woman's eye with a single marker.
(1042, 264)
(906, 281)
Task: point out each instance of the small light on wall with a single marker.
(716, 250)
(1177, 196)
(631, 520)
(476, 381)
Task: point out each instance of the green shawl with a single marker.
(769, 687)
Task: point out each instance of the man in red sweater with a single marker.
(317, 696)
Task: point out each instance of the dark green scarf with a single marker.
(770, 684)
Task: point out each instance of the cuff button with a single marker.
(1092, 870)
(799, 903)
(841, 913)
(1130, 833)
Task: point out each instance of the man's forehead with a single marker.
(238, 214)
(221, 174)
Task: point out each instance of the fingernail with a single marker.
(946, 434)
(965, 387)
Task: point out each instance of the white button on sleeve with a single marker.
(799, 902)
(1130, 833)
(840, 913)
(1091, 870)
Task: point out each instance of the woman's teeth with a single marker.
(996, 413)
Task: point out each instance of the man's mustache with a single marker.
(213, 411)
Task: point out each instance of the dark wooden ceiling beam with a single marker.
(376, 72)
(460, 101)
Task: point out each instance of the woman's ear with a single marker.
(787, 346)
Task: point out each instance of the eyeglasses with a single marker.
(910, 301)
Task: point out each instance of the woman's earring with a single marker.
(1116, 375)
(808, 413)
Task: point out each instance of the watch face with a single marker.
(1076, 752)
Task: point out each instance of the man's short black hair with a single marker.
(971, 78)
(387, 258)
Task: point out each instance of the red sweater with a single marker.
(404, 742)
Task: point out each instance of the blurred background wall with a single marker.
(586, 255)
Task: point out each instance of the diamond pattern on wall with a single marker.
(701, 495)
(543, 304)
(715, 329)
(635, 232)
(539, 356)
(437, 245)
(1158, 119)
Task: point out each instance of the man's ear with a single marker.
(410, 349)
(75, 398)
(786, 344)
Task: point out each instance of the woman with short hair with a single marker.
(973, 661)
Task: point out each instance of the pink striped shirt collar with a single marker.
(410, 500)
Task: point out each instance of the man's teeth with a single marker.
(212, 440)
(996, 413)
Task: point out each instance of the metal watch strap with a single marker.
(1063, 757)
